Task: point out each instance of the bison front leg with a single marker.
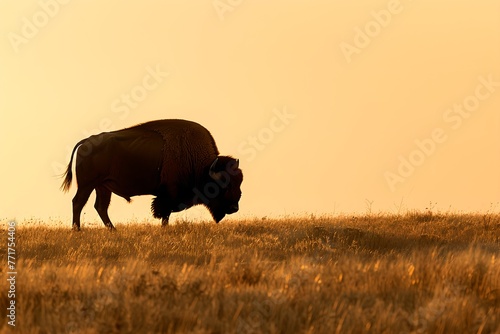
(102, 200)
(164, 221)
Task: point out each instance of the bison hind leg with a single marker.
(160, 207)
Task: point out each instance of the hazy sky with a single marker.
(328, 104)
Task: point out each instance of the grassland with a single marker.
(412, 273)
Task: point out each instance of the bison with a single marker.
(177, 161)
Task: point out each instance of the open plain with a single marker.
(377, 273)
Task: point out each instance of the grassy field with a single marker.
(412, 273)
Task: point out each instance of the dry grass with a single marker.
(419, 273)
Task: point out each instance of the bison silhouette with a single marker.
(175, 160)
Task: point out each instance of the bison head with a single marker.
(223, 188)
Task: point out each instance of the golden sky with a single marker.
(328, 104)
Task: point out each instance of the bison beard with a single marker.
(160, 207)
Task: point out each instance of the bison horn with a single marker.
(213, 174)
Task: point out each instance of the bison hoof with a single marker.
(76, 228)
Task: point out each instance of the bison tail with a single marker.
(68, 175)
